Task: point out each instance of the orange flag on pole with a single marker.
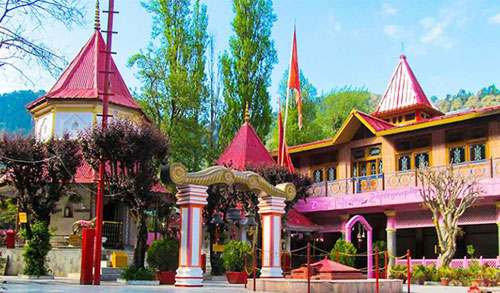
(294, 77)
(283, 155)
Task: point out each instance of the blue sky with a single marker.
(449, 44)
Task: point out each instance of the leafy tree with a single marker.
(312, 129)
(8, 214)
(447, 194)
(342, 248)
(40, 172)
(337, 105)
(20, 18)
(172, 71)
(247, 68)
(36, 249)
(133, 154)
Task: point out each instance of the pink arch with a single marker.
(369, 229)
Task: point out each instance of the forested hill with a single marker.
(487, 96)
(13, 115)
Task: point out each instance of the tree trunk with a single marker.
(141, 240)
(448, 247)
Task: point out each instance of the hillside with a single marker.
(13, 114)
(487, 96)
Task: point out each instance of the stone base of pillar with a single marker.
(189, 277)
(271, 273)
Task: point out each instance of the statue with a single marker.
(79, 225)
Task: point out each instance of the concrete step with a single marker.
(110, 274)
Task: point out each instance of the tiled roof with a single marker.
(83, 79)
(376, 123)
(246, 148)
(403, 92)
(296, 219)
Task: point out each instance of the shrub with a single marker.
(36, 250)
(343, 247)
(398, 272)
(234, 256)
(419, 272)
(163, 255)
(432, 274)
(133, 273)
(444, 272)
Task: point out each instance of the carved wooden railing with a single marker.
(402, 179)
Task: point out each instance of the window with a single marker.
(413, 152)
(478, 152)
(409, 117)
(358, 154)
(331, 173)
(400, 119)
(422, 160)
(404, 163)
(317, 175)
(466, 145)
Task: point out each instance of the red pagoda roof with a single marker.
(246, 148)
(295, 219)
(404, 92)
(81, 80)
(376, 123)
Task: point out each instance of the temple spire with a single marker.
(247, 113)
(97, 24)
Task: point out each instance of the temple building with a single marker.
(74, 104)
(369, 169)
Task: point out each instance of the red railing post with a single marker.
(408, 275)
(385, 264)
(254, 268)
(245, 270)
(326, 188)
(336, 256)
(308, 267)
(376, 268)
(383, 181)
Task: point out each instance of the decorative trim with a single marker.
(390, 213)
(391, 229)
(176, 174)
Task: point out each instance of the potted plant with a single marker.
(445, 275)
(419, 273)
(490, 276)
(477, 273)
(234, 255)
(163, 257)
(399, 272)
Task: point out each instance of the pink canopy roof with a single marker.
(246, 148)
(404, 92)
(327, 266)
(83, 78)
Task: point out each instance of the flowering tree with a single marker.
(40, 172)
(132, 154)
(447, 193)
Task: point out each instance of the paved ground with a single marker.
(64, 285)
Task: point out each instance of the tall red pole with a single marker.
(376, 268)
(408, 277)
(254, 267)
(100, 186)
(308, 267)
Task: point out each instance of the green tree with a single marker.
(337, 105)
(172, 71)
(247, 69)
(312, 129)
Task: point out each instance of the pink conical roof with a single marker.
(404, 92)
(83, 79)
(246, 148)
(327, 266)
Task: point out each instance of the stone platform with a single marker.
(337, 286)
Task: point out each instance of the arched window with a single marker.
(68, 211)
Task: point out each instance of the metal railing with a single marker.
(401, 179)
(455, 263)
(113, 233)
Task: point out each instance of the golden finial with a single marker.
(247, 114)
(97, 25)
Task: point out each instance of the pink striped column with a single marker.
(191, 200)
(271, 208)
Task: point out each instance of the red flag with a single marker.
(294, 78)
(283, 155)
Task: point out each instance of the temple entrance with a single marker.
(369, 231)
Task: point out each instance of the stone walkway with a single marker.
(65, 285)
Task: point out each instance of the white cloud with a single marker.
(495, 19)
(333, 25)
(393, 31)
(388, 9)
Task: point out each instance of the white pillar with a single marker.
(191, 200)
(271, 208)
